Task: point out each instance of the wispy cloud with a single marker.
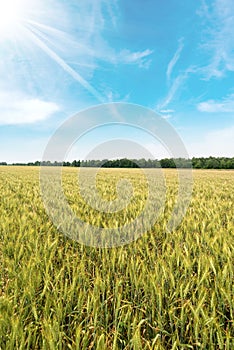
(224, 106)
(167, 111)
(112, 9)
(140, 58)
(177, 83)
(174, 59)
(18, 109)
(114, 96)
(98, 17)
(219, 37)
(166, 116)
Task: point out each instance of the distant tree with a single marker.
(66, 164)
(75, 163)
(195, 162)
(167, 163)
(230, 163)
(142, 163)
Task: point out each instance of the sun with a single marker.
(11, 15)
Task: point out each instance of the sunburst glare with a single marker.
(25, 24)
(12, 13)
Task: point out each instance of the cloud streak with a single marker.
(176, 85)
(140, 58)
(174, 59)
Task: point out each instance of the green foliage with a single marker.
(163, 291)
(196, 163)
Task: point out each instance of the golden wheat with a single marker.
(162, 291)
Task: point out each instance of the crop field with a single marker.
(165, 290)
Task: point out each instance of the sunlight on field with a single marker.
(163, 291)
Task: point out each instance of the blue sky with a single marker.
(59, 57)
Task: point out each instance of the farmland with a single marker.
(166, 290)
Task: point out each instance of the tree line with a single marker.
(196, 163)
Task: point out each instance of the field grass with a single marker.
(163, 291)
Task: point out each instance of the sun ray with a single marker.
(37, 39)
(60, 35)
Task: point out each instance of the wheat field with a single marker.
(162, 291)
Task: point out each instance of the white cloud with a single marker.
(212, 106)
(174, 59)
(16, 108)
(220, 40)
(217, 143)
